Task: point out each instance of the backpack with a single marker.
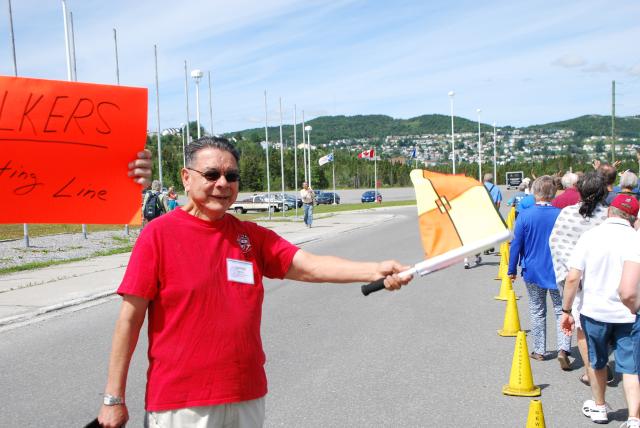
(153, 207)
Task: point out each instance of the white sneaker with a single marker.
(597, 413)
(631, 423)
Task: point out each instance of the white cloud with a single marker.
(635, 70)
(597, 68)
(569, 61)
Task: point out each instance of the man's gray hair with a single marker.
(522, 187)
(488, 177)
(543, 188)
(155, 185)
(616, 212)
(219, 143)
(569, 180)
(628, 180)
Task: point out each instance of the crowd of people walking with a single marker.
(575, 238)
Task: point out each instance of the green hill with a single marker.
(328, 128)
(594, 124)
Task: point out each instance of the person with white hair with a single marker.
(629, 184)
(570, 196)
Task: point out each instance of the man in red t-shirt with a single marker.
(198, 272)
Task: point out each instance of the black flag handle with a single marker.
(372, 287)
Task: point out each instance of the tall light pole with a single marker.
(495, 162)
(453, 140)
(295, 156)
(308, 128)
(210, 104)
(266, 140)
(479, 148)
(281, 157)
(197, 75)
(155, 53)
(304, 152)
(186, 94)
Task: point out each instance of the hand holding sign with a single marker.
(65, 151)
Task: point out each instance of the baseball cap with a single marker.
(627, 204)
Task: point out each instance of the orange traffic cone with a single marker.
(520, 379)
(536, 415)
(505, 287)
(511, 324)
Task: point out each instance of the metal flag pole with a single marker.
(25, 226)
(73, 48)
(453, 140)
(210, 103)
(186, 94)
(375, 174)
(295, 158)
(155, 53)
(266, 140)
(68, 41)
(308, 129)
(479, 149)
(304, 152)
(333, 164)
(281, 158)
(495, 163)
(115, 43)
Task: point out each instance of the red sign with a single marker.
(64, 149)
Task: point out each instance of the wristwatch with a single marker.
(566, 311)
(112, 400)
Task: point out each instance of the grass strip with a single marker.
(47, 263)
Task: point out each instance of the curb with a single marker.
(47, 309)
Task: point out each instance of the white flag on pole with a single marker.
(326, 159)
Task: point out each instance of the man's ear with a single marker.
(186, 179)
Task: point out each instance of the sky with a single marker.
(521, 63)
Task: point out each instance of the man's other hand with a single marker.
(113, 416)
(140, 169)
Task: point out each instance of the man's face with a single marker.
(211, 198)
(305, 186)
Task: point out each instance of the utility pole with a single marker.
(613, 121)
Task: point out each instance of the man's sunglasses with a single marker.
(214, 175)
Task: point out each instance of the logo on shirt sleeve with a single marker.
(245, 244)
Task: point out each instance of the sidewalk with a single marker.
(26, 295)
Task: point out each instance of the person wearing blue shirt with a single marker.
(530, 245)
(494, 191)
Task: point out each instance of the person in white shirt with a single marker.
(308, 197)
(598, 259)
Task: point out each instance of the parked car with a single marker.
(371, 196)
(254, 203)
(292, 200)
(327, 198)
(288, 204)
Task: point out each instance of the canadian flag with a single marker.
(367, 154)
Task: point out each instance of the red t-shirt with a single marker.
(204, 330)
(571, 196)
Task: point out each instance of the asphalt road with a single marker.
(426, 356)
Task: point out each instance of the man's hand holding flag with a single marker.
(456, 218)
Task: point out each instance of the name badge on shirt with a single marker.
(240, 271)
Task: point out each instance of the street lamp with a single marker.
(308, 128)
(453, 141)
(197, 75)
(479, 148)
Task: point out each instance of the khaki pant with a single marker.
(245, 414)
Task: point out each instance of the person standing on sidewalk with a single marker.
(308, 197)
(530, 245)
(198, 273)
(598, 260)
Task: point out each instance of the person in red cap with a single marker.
(597, 260)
